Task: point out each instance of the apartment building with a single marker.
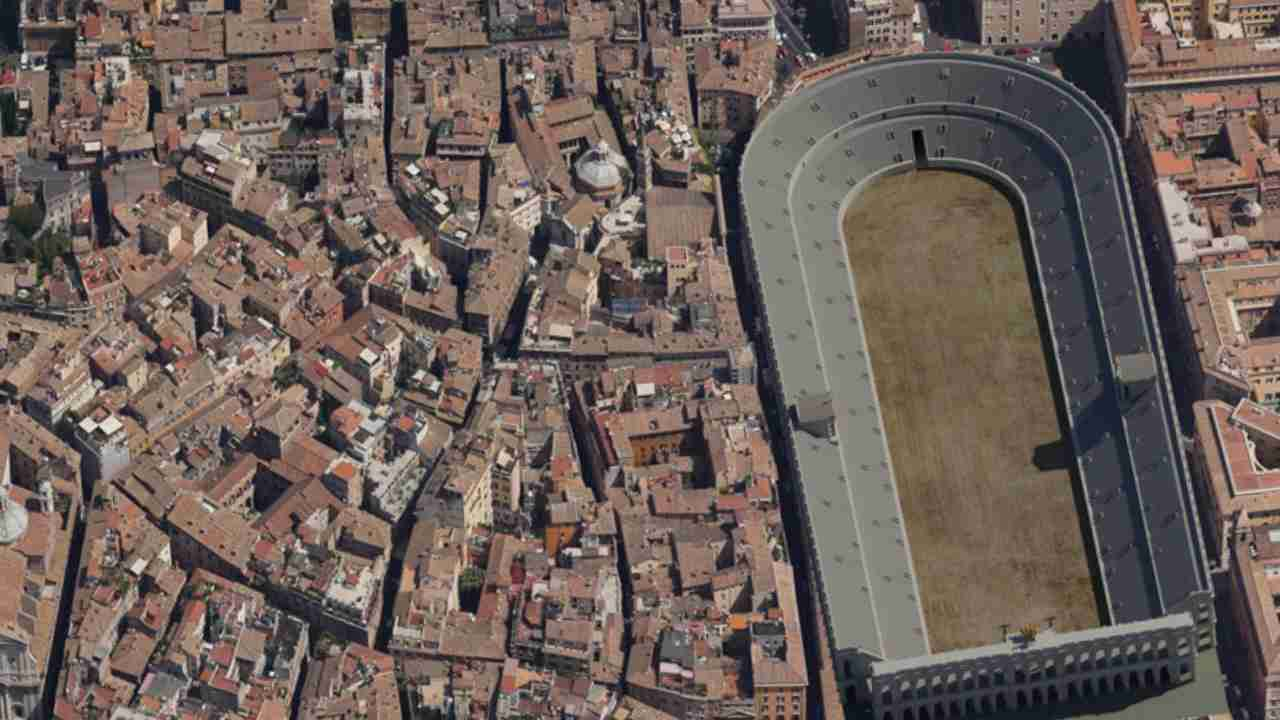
(871, 24)
(1236, 463)
(371, 19)
(1256, 18)
(1016, 22)
(1194, 18)
(1151, 52)
(744, 19)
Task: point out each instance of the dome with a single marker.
(13, 519)
(600, 168)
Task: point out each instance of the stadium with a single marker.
(898, 629)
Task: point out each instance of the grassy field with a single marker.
(964, 388)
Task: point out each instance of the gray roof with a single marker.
(54, 181)
(1136, 367)
(1056, 150)
(814, 408)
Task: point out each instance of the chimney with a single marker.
(646, 168)
(46, 497)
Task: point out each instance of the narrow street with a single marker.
(791, 35)
(397, 46)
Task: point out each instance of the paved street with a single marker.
(792, 35)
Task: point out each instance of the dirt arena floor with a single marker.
(963, 383)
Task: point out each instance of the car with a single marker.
(1034, 59)
(1025, 51)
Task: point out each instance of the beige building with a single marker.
(1236, 462)
(730, 97)
(1192, 18)
(165, 225)
(1253, 603)
(1015, 22)
(745, 19)
(1228, 316)
(871, 24)
(1256, 18)
(370, 19)
(1150, 53)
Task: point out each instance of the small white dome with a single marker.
(13, 519)
(600, 168)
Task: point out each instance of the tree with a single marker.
(472, 579)
(469, 586)
(26, 219)
(50, 246)
(122, 583)
(287, 375)
(8, 114)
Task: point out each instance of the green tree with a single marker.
(472, 579)
(287, 375)
(26, 219)
(50, 246)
